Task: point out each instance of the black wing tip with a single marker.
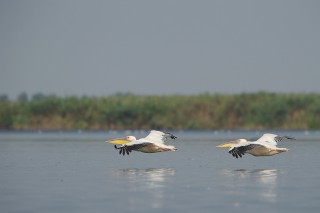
(290, 138)
(280, 138)
(123, 150)
(236, 153)
(173, 137)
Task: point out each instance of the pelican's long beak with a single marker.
(227, 145)
(118, 141)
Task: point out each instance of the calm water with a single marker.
(77, 172)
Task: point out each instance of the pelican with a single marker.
(266, 145)
(154, 142)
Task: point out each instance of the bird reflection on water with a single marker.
(261, 184)
(146, 184)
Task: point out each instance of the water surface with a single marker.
(78, 172)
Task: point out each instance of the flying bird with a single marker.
(266, 145)
(154, 142)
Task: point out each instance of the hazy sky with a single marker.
(74, 47)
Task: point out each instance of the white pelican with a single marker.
(154, 142)
(264, 146)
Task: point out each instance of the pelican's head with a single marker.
(231, 143)
(125, 140)
(131, 138)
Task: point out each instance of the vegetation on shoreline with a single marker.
(242, 111)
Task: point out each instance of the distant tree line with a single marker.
(22, 97)
(127, 111)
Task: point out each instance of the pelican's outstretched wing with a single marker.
(157, 137)
(238, 151)
(272, 139)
